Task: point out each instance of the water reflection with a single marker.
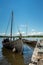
(9, 58)
(27, 53)
(1, 56)
(13, 58)
(16, 58)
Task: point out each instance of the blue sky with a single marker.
(26, 13)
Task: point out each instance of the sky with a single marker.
(27, 16)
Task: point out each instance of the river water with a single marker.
(9, 58)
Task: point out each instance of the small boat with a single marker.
(37, 57)
(14, 45)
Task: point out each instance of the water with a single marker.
(34, 38)
(27, 53)
(9, 58)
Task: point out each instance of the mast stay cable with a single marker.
(7, 26)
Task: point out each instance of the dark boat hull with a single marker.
(17, 44)
(8, 45)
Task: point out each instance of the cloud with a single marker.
(23, 25)
(33, 30)
(2, 34)
(36, 33)
(23, 33)
(29, 33)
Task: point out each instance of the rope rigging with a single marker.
(8, 25)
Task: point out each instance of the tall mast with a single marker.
(11, 24)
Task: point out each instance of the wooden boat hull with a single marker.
(17, 44)
(8, 45)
